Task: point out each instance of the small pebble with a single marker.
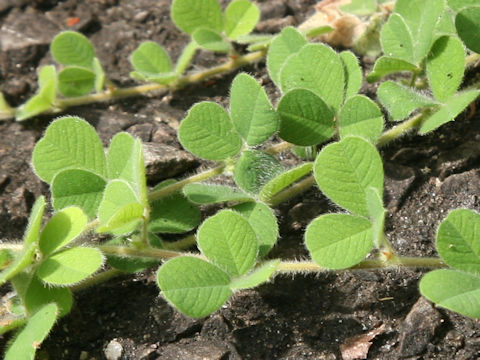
(114, 350)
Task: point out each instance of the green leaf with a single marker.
(283, 180)
(99, 75)
(401, 101)
(72, 48)
(69, 142)
(345, 170)
(257, 121)
(129, 264)
(446, 24)
(386, 65)
(194, 286)
(353, 73)
(189, 15)
(228, 241)
(241, 16)
(210, 40)
(421, 17)
(339, 241)
(305, 119)
(448, 111)
(150, 59)
(257, 276)
(360, 7)
(38, 295)
(120, 210)
(173, 214)
(396, 39)
(445, 67)
(212, 194)
(457, 5)
(467, 23)
(301, 70)
(453, 290)
(21, 261)
(186, 57)
(45, 97)
(458, 240)
(254, 169)
(125, 161)
(70, 266)
(208, 133)
(61, 229)
(360, 116)
(288, 42)
(263, 221)
(376, 213)
(31, 336)
(32, 233)
(80, 188)
(75, 81)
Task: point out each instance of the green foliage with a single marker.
(228, 240)
(254, 169)
(208, 133)
(151, 62)
(72, 48)
(445, 67)
(353, 73)
(69, 142)
(211, 194)
(458, 244)
(386, 65)
(75, 81)
(360, 116)
(288, 42)
(241, 16)
(467, 24)
(339, 241)
(305, 118)
(62, 228)
(401, 101)
(37, 329)
(70, 266)
(449, 110)
(345, 170)
(258, 121)
(210, 40)
(301, 71)
(190, 15)
(196, 287)
(257, 276)
(360, 7)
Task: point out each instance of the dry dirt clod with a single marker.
(419, 328)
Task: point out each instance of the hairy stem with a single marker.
(292, 191)
(401, 129)
(167, 190)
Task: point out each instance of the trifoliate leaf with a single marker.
(150, 59)
(386, 65)
(210, 40)
(32, 233)
(75, 81)
(467, 23)
(353, 73)
(396, 39)
(257, 276)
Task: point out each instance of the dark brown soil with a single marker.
(306, 317)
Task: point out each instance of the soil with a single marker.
(306, 317)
